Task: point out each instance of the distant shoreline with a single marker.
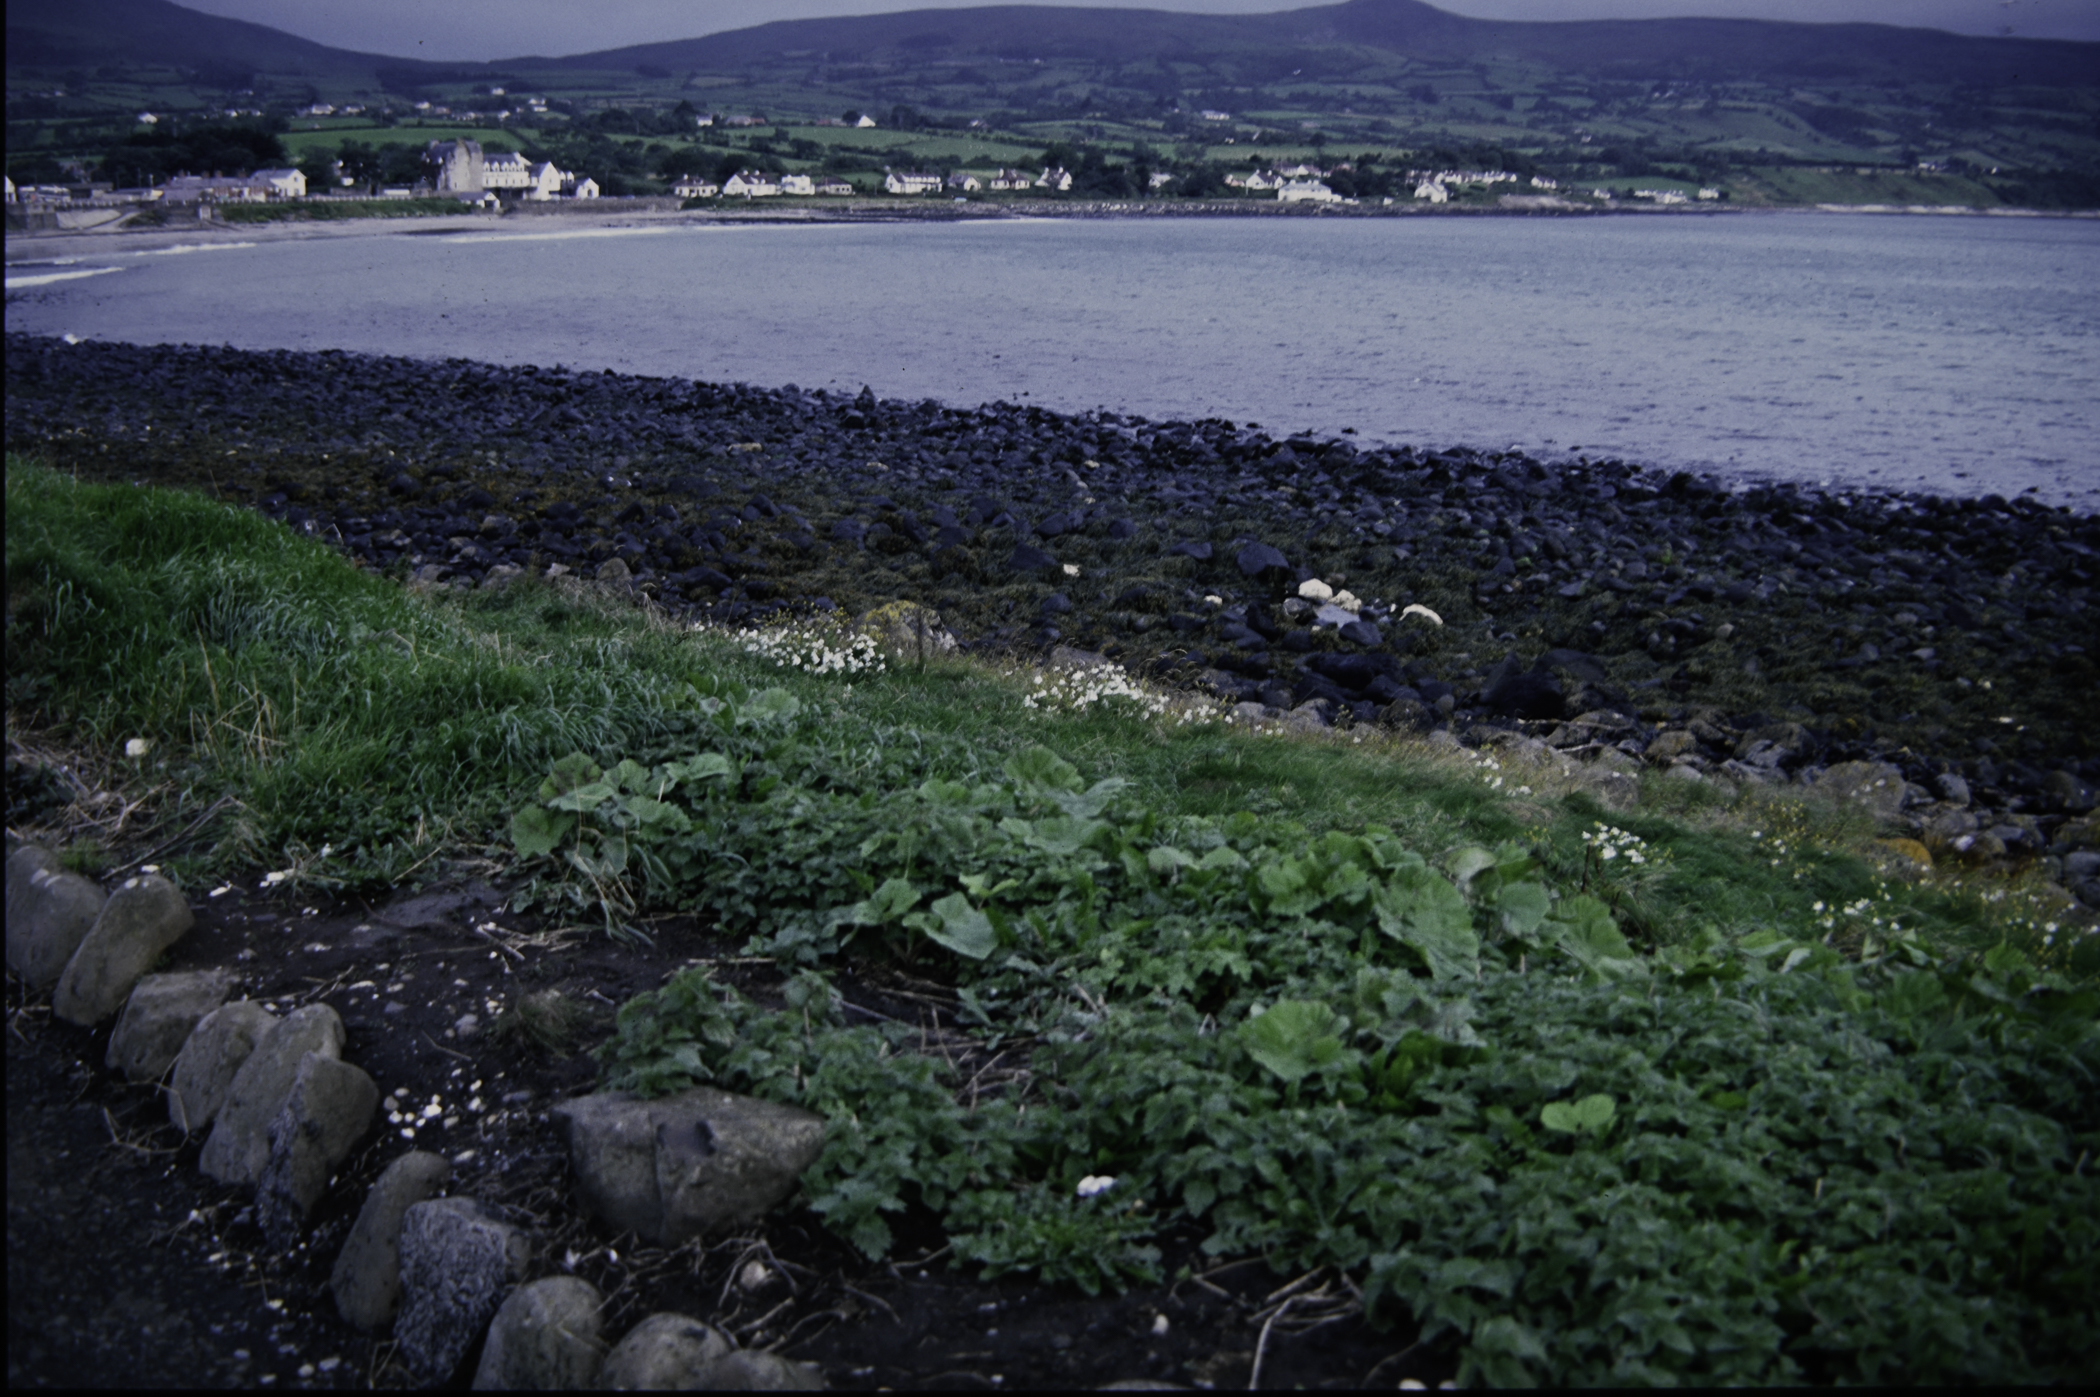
(23, 245)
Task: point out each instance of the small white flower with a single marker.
(137, 747)
(1095, 1183)
(1071, 569)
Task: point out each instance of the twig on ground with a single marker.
(188, 831)
(442, 1048)
(1261, 1346)
(876, 1300)
(1388, 1359)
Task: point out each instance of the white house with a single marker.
(1209, 115)
(751, 184)
(798, 184)
(506, 170)
(1058, 180)
(965, 181)
(580, 188)
(865, 122)
(694, 187)
(1709, 193)
(545, 181)
(1307, 191)
(1434, 192)
(1011, 179)
(911, 182)
(10, 188)
(1541, 182)
(280, 184)
(834, 188)
(1256, 181)
(1159, 178)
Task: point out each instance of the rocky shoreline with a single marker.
(1726, 632)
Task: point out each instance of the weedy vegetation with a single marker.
(1686, 1093)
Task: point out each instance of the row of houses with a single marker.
(758, 184)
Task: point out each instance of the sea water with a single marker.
(1959, 355)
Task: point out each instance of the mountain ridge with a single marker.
(63, 33)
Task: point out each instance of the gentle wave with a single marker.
(23, 283)
(190, 247)
(562, 237)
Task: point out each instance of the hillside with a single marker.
(1339, 41)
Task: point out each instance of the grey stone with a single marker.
(328, 1111)
(664, 1353)
(239, 1145)
(615, 570)
(1954, 788)
(2081, 866)
(143, 917)
(1328, 614)
(1669, 746)
(908, 631)
(158, 1019)
(2067, 792)
(458, 1260)
(1257, 558)
(1761, 756)
(366, 1281)
(209, 1060)
(1361, 633)
(675, 1168)
(501, 576)
(1069, 657)
(1615, 789)
(1771, 744)
(49, 912)
(1029, 558)
(1876, 787)
(544, 1338)
(1310, 716)
(1947, 824)
(1612, 759)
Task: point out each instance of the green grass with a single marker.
(298, 143)
(340, 711)
(1723, 1105)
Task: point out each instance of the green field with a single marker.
(1687, 1092)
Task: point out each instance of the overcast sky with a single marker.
(486, 29)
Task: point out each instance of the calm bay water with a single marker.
(1960, 355)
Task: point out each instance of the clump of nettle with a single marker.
(1568, 1154)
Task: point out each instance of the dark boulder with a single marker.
(1028, 558)
(1514, 691)
(1258, 558)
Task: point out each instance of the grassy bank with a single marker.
(1683, 1092)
